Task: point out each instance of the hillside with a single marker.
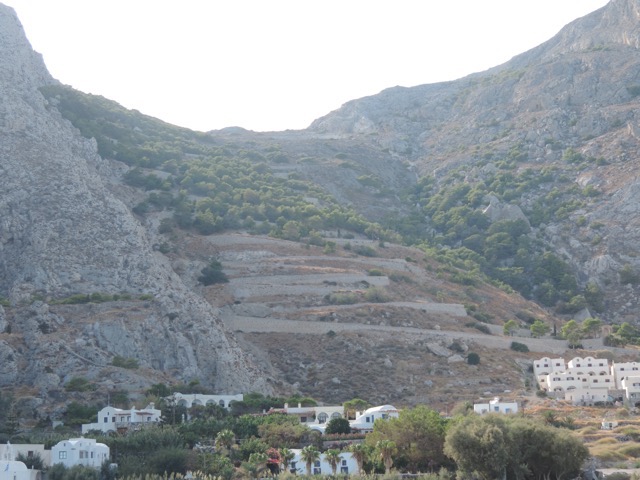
(366, 256)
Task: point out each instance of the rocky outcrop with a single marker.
(62, 232)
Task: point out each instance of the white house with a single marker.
(315, 417)
(190, 399)
(621, 370)
(364, 420)
(495, 406)
(110, 419)
(10, 451)
(12, 470)
(347, 464)
(586, 396)
(79, 451)
(547, 365)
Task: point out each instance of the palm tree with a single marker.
(309, 454)
(360, 453)
(225, 439)
(387, 449)
(256, 465)
(333, 457)
(286, 456)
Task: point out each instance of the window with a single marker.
(322, 417)
(30, 454)
(113, 419)
(344, 470)
(62, 455)
(221, 403)
(106, 420)
(385, 416)
(336, 415)
(368, 419)
(303, 419)
(316, 468)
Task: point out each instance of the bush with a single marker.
(519, 347)
(473, 359)
(212, 273)
(79, 384)
(122, 362)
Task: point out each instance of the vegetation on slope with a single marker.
(210, 186)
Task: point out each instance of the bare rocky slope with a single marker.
(394, 325)
(63, 232)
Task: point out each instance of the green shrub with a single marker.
(519, 347)
(79, 384)
(122, 362)
(212, 273)
(473, 358)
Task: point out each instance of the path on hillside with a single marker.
(278, 325)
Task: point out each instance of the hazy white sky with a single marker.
(276, 64)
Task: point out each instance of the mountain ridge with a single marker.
(520, 177)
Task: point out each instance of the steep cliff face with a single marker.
(576, 92)
(63, 232)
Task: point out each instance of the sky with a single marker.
(272, 65)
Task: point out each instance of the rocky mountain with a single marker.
(576, 94)
(64, 233)
(377, 247)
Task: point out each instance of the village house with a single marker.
(315, 417)
(10, 451)
(80, 451)
(364, 420)
(589, 380)
(347, 464)
(192, 399)
(495, 406)
(111, 419)
(12, 470)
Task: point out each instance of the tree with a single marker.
(212, 273)
(32, 462)
(539, 329)
(309, 455)
(573, 333)
(286, 456)
(360, 453)
(510, 327)
(338, 425)
(591, 327)
(256, 464)
(386, 449)
(479, 446)
(333, 457)
(225, 439)
(418, 434)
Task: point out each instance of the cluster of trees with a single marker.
(220, 444)
(210, 188)
(504, 250)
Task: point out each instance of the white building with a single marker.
(364, 420)
(547, 365)
(190, 399)
(587, 396)
(495, 406)
(622, 370)
(12, 470)
(315, 417)
(79, 451)
(347, 464)
(10, 451)
(111, 419)
(580, 373)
